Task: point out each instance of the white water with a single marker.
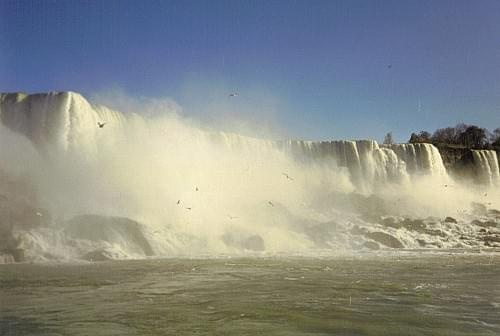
(236, 194)
(369, 164)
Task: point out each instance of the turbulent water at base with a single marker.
(140, 187)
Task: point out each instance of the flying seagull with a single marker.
(179, 202)
(188, 208)
(271, 203)
(101, 124)
(287, 176)
(233, 94)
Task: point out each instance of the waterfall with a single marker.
(66, 123)
(370, 164)
(420, 157)
(191, 190)
(486, 166)
(57, 122)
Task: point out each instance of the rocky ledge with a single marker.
(458, 160)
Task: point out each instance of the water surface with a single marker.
(416, 294)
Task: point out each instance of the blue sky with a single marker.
(312, 69)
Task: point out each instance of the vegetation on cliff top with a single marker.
(462, 135)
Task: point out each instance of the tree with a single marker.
(473, 137)
(469, 136)
(460, 128)
(388, 140)
(423, 136)
(413, 138)
(495, 137)
(446, 135)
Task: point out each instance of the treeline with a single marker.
(469, 136)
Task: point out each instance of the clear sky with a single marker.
(316, 69)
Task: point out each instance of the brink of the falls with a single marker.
(140, 187)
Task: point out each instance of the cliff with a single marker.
(459, 160)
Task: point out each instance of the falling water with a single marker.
(486, 164)
(160, 186)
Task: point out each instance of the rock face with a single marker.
(385, 239)
(457, 160)
(98, 255)
(120, 231)
(460, 161)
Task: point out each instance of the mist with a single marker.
(190, 189)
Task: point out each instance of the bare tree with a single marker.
(474, 137)
(413, 138)
(495, 137)
(423, 136)
(446, 135)
(470, 136)
(388, 140)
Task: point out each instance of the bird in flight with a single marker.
(271, 203)
(288, 176)
(188, 208)
(232, 217)
(233, 94)
(101, 124)
(179, 202)
(197, 189)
